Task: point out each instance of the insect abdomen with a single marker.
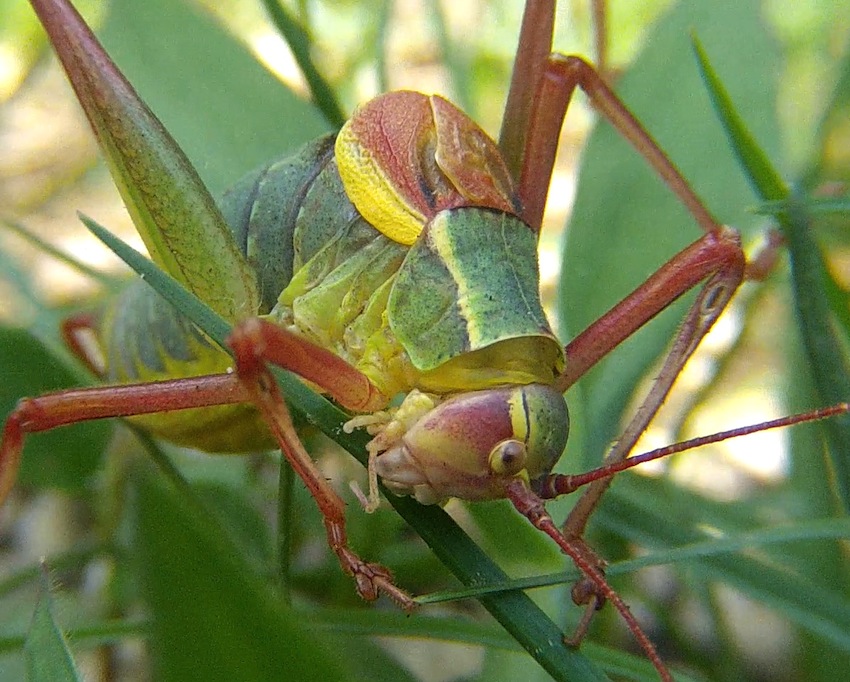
(263, 211)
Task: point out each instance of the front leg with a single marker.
(257, 342)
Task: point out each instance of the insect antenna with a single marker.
(556, 485)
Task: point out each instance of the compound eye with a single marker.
(508, 458)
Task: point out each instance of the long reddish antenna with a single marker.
(562, 484)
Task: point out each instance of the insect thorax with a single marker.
(457, 310)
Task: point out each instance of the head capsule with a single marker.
(471, 445)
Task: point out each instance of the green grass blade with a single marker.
(453, 58)
(805, 530)
(636, 508)
(95, 634)
(382, 30)
(812, 205)
(58, 254)
(299, 42)
(764, 178)
(824, 348)
(47, 654)
(827, 361)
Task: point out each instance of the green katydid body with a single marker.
(436, 291)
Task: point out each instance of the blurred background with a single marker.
(706, 622)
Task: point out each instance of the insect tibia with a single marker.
(593, 586)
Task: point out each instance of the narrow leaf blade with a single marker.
(47, 655)
(827, 362)
(203, 632)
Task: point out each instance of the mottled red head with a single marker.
(472, 445)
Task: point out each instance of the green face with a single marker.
(472, 445)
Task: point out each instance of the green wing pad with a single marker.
(469, 283)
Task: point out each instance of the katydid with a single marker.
(322, 259)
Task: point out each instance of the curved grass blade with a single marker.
(299, 42)
(636, 509)
(806, 530)
(827, 362)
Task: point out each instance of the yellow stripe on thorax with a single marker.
(442, 243)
